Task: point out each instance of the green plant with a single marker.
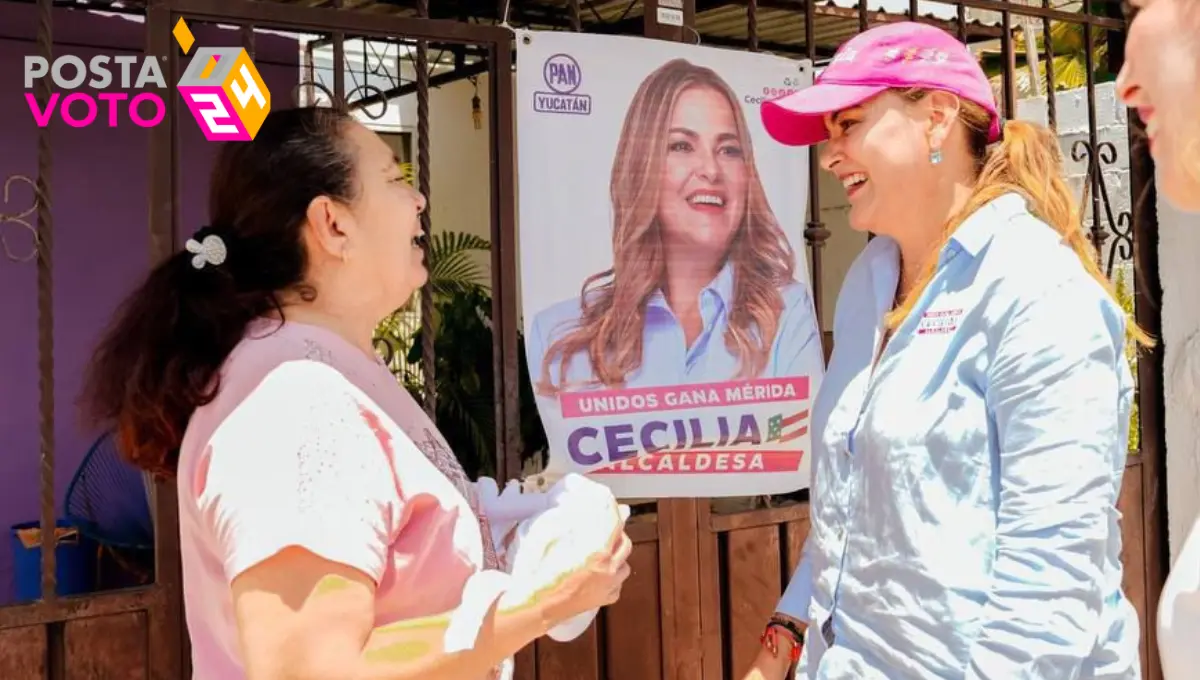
(453, 269)
(465, 383)
(464, 380)
(1069, 45)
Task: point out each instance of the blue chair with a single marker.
(110, 501)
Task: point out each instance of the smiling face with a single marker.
(386, 256)
(879, 151)
(702, 194)
(1159, 79)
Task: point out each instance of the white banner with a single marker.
(669, 324)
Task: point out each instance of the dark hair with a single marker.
(161, 357)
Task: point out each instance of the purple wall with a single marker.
(101, 242)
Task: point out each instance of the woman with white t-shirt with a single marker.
(326, 529)
(1161, 79)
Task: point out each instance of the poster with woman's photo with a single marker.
(669, 326)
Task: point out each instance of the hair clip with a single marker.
(210, 250)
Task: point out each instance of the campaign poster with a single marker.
(669, 326)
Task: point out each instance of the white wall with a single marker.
(842, 246)
(1111, 126)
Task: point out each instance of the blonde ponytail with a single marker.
(1029, 162)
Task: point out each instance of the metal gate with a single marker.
(138, 632)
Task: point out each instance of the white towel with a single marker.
(581, 520)
(554, 533)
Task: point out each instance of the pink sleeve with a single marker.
(299, 463)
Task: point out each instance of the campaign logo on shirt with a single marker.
(939, 321)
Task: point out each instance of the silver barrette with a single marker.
(209, 251)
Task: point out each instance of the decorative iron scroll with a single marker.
(21, 219)
(372, 100)
(1119, 225)
(361, 92)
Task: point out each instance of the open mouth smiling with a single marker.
(853, 182)
(706, 200)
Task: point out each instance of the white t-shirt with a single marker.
(1179, 613)
(311, 443)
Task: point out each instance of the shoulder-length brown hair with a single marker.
(610, 328)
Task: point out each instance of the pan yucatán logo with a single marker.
(563, 76)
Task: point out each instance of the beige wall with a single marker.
(843, 245)
(459, 159)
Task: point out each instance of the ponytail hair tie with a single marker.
(207, 248)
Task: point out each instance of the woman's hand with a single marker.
(768, 667)
(774, 660)
(597, 584)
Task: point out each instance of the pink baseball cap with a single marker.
(900, 55)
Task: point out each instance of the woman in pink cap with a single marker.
(970, 434)
(1161, 79)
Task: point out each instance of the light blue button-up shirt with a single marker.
(964, 520)
(666, 357)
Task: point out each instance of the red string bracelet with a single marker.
(770, 641)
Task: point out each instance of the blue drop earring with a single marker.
(935, 156)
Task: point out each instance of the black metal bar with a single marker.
(505, 317)
(310, 74)
(1051, 89)
(428, 360)
(815, 232)
(168, 643)
(1009, 104)
(247, 32)
(752, 24)
(1098, 234)
(45, 307)
(338, 38)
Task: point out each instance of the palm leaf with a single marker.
(1068, 42)
(452, 269)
